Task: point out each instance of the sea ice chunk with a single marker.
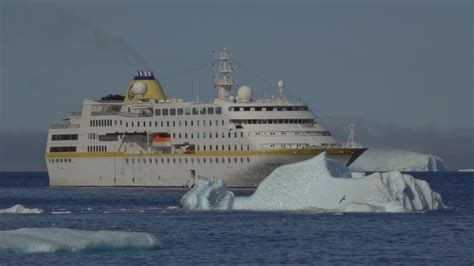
(208, 194)
(20, 209)
(322, 183)
(397, 160)
(48, 240)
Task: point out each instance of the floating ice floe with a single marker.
(60, 211)
(20, 209)
(319, 184)
(48, 240)
(397, 160)
(208, 194)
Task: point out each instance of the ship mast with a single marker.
(224, 79)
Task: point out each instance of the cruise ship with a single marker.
(147, 139)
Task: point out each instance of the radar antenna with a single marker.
(350, 140)
(224, 79)
(280, 90)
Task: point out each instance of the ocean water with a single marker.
(242, 237)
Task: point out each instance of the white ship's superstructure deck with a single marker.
(145, 139)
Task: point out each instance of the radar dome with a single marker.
(280, 84)
(245, 94)
(139, 88)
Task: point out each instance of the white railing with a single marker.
(126, 114)
(75, 114)
(59, 126)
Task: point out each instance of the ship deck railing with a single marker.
(126, 114)
(75, 114)
(61, 126)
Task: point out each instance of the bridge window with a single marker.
(63, 149)
(65, 137)
(218, 110)
(210, 110)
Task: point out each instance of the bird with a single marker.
(343, 198)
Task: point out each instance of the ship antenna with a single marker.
(224, 79)
(197, 85)
(280, 85)
(350, 140)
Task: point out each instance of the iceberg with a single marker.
(320, 184)
(49, 240)
(20, 209)
(208, 194)
(374, 160)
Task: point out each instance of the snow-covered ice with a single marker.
(208, 194)
(20, 209)
(397, 160)
(48, 240)
(320, 184)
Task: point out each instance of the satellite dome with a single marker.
(280, 84)
(245, 94)
(139, 88)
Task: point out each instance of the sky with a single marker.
(394, 64)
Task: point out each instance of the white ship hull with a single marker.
(169, 171)
(146, 139)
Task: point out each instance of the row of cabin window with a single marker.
(208, 135)
(173, 123)
(188, 111)
(291, 133)
(272, 121)
(216, 147)
(101, 123)
(63, 149)
(60, 160)
(268, 108)
(64, 137)
(186, 160)
(96, 148)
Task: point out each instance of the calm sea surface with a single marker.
(240, 237)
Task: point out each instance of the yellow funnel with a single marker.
(144, 87)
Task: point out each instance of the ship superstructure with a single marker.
(146, 139)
